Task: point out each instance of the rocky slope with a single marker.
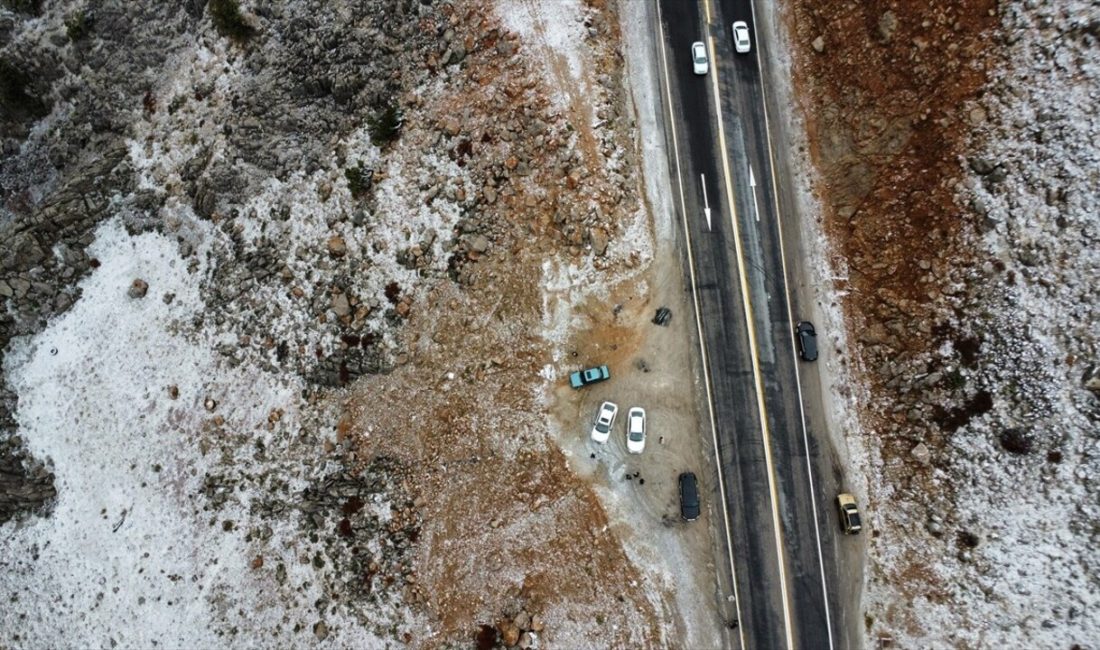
(257, 255)
(955, 152)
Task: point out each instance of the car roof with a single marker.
(689, 490)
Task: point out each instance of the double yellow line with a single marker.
(751, 328)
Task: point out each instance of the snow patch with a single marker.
(130, 536)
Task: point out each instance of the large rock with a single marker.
(479, 244)
(599, 239)
(22, 252)
(138, 288)
(340, 304)
(509, 633)
(887, 24)
(336, 246)
(1092, 380)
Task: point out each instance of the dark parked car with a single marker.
(807, 340)
(689, 497)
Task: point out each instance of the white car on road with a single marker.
(635, 430)
(699, 61)
(605, 419)
(741, 36)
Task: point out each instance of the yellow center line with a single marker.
(755, 357)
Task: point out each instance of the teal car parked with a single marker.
(582, 378)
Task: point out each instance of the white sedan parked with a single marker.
(635, 430)
(605, 419)
(699, 61)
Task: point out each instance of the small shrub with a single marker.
(967, 539)
(77, 26)
(13, 93)
(393, 292)
(359, 180)
(385, 125)
(228, 20)
(950, 421)
(1016, 441)
(968, 349)
(955, 380)
(32, 7)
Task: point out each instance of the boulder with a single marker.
(509, 633)
(921, 454)
(340, 304)
(599, 239)
(336, 246)
(1091, 380)
(981, 166)
(887, 24)
(479, 244)
(138, 288)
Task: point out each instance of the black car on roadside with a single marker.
(689, 497)
(807, 340)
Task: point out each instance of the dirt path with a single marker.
(653, 367)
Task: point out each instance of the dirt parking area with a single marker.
(653, 367)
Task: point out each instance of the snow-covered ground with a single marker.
(113, 393)
(184, 453)
(1008, 559)
(1033, 578)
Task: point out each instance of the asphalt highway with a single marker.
(782, 528)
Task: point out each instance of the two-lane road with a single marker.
(778, 526)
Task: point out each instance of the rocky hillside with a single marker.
(252, 256)
(955, 153)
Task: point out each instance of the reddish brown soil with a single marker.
(505, 523)
(886, 131)
(885, 103)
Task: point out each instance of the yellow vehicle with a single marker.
(849, 513)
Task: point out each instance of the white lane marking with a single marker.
(790, 330)
(753, 353)
(699, 328)
(752, 184)
(706, 203)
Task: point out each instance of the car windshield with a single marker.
(853, 519)
(636, 433)
(602, 427)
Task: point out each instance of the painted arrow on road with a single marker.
(706, 204)
(752, 184)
